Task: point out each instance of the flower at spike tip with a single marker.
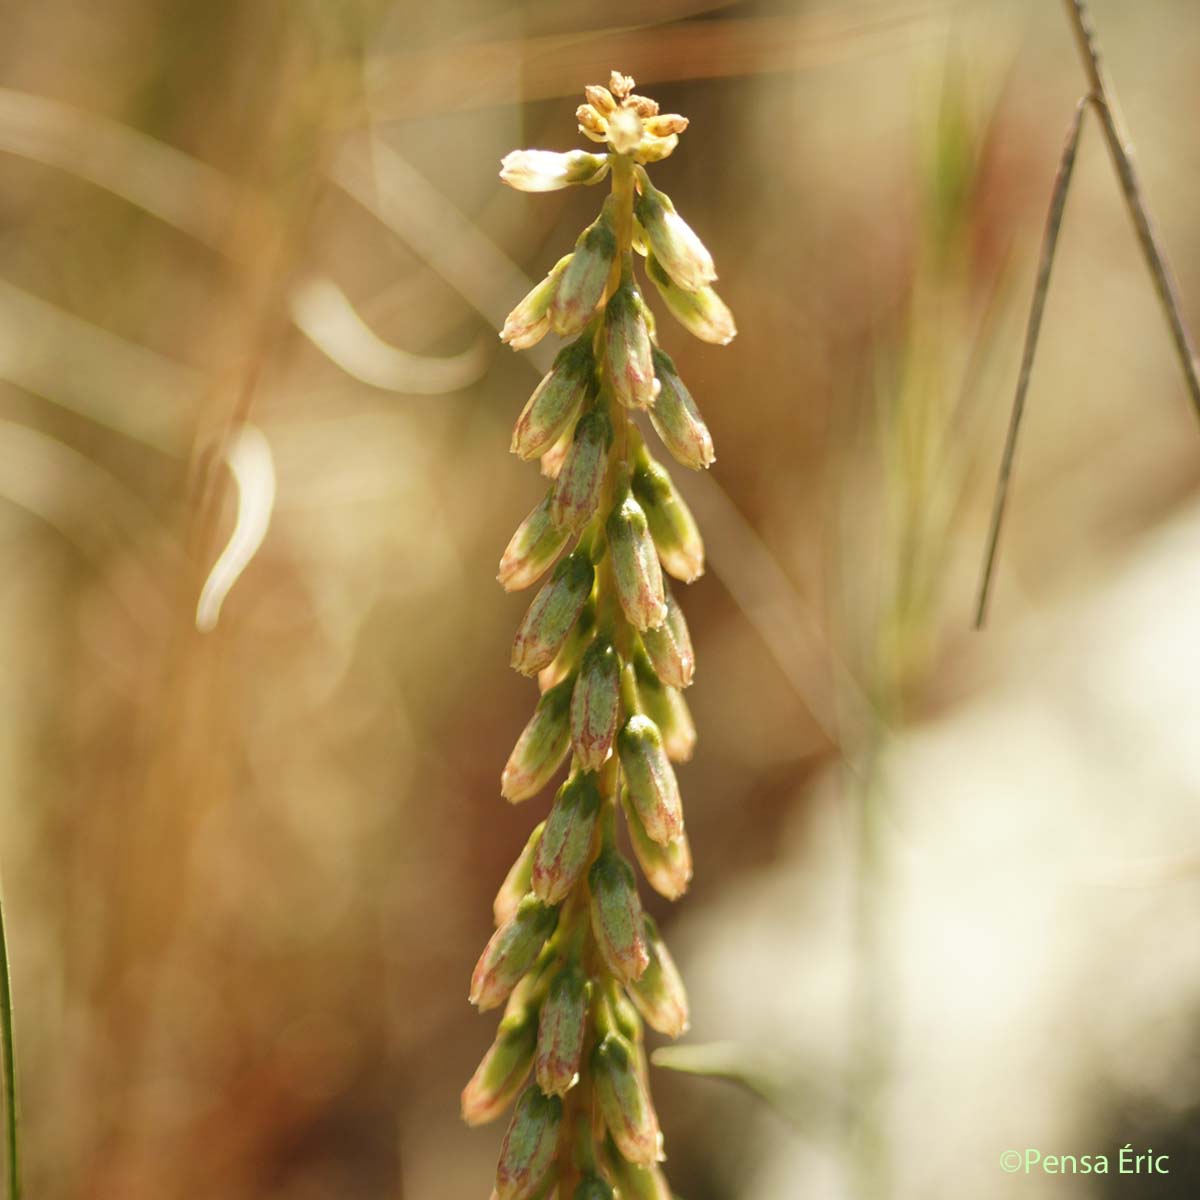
(578, 965)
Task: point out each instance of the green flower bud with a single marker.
(534, 546)
(677, 420)
(670, 647)
(635, 1182)
(676, 247)
(566, 661)
(653, 789)
(666, 707)
(702, 313)
(527, 1152)
(516, 883)
(592, 1187)
(529, 322)
(504, 1069)
(672, 525)
(595, 704)
(580, 479)
(627, 349)
(624, 1102)
(511, 952)
(554, 610)
(551, 410)
(635, 567)
(659, 994)
(582, 283)
(542, 746)
(617, 916)
(551, 462)
(561, 1029)
(566, 843)
(668, 869)
(547, 171)
(626, 1019)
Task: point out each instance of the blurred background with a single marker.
(253, 256)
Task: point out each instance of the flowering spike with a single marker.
(635, 566)
(680, 252)
(670, 647)
(627, 360)
(595, 704)
(566, 844)
(668, 869)
(677, 420)
(625, 1103)
(510, 952)
(518, 880)
(561, 1030)
(527, 1152)
(672, 525)
(582, 283)
(617, 916)
(504, 1069)
(702, 313)
(542, 746)
(577, 489)
(653, 790)
(659, 994)
(553, 611)
(532, 549)
(551, 410)
(546, 171)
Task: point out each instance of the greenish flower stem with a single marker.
(12, 1141)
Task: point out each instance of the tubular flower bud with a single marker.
(546, 171)
(659, 994)
(567, 659)
(655, 149)
(627, 349)
(532, 549)
(529, 322)
(582, 283)
(542, 746)
(553, 611)
(625, 1103)
(672, 525)
(702, 313)
(527, 1152)
(627, 1021)
(617, 916)
(517, 882)
(667, 124)
(668, 869)
(551, 462)
(669, 647)
(677, 420)
(595, 704)
(511, 952)
(638, 1183)
(551, 410)
(635, 566)
(675, 245)
(592, 1187)
(653, 790)
(666, 707)
(503, 1071)
(561, 1029)
(565, 847)
(601, 99)
(576, 491)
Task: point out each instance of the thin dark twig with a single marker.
(1121, 150)
(1058, 202)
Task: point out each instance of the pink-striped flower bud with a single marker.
(576, 491)
(674, 529)
(561, 1030)
(595, 704)
(551, 410)
(553, 612)
(702, 313)
(592, 1187)
(532, 549)
(542, 746)
(668, 869)
(636, 1182)
(677, 420)
(627, 349)
(617, 916)
(529, 322)
(566, 843)
(582, 283)
(504, 1069)
(675, 245)
(566, 661)
(635, 567)
(666, 124)
(625, 1103)
(600, 98)
(528, 1150)
(518, 880)
(653, 789)
(547, 171)
(659, 994)
(510, 952)
(670, 647)
(666, 707)
(551, 462)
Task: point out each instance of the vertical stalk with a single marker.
(12, 1143)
